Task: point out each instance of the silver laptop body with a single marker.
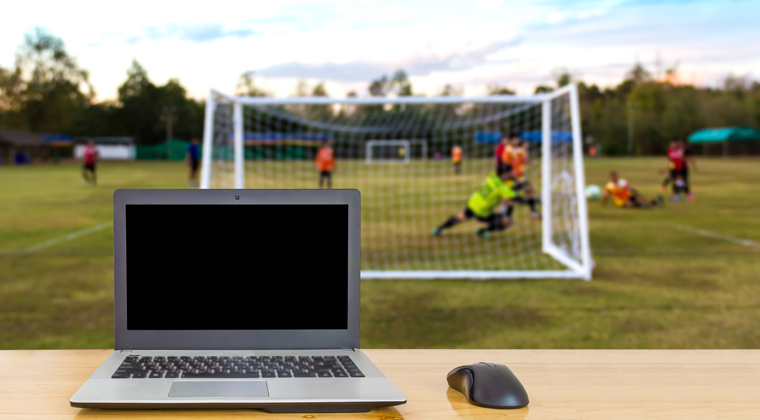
(237, 298)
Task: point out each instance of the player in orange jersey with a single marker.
(325, 163)
(624, 195)
(456, 158)
(515, 154)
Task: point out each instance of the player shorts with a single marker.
(520, 183)
(492, 220)
(89, 167)
(501, 164)
(683, 173)
(194, 165)
(325, 174)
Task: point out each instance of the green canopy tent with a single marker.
(744, 135)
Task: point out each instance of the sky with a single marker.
(345, 44)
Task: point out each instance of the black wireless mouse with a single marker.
(488, 385)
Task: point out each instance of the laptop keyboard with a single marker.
(145, 367)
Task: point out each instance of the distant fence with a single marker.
(175, 150)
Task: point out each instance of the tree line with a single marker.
(46, 91)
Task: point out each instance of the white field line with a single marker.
(69, 237)
(738, 241)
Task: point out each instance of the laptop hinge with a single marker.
(126, 351)
(354, 349)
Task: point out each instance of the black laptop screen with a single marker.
(237, 267)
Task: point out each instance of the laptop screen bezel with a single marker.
(235, 339)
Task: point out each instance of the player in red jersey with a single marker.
(675, 161)
(90, 158)
(515, 155)
(500, 149)
(688, 159)
(679, 157)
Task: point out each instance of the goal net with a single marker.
(255, 142)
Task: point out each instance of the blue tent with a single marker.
(716, 135)
(530, 136)
(557, 136)
(745, 138)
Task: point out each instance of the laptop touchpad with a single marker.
(226, 388)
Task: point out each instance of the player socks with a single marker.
(532, 204)
(449, 223)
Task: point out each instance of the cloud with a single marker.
(555, 17)
(362, 70)
(197, 33)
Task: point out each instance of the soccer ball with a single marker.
(593, 192)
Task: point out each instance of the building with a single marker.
(21, 147)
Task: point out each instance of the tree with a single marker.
(137, 82)
(400, 83)
(639, 74)
(11, 85)
(246, 87)
(302, 88)
(140, 106)
(143, 105)
(54, 88)
(379, 87)
(319, 90)
(450, 90)
(496, 89)
(564, 78)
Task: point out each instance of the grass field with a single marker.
(658, 283)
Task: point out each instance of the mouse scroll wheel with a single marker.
(489, 364)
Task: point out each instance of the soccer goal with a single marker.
(264, 142)
(395, 151)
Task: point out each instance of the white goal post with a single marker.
(267, 142)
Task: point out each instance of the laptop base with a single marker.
(269, 408)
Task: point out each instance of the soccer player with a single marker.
(500, 150)
(483, 203)
(515, 154)
(325, 163)
(456, 158)
(91, 156)
(688, 159)
(674, 161)
(625, 196)
(193, 161)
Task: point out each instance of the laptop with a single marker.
(237, 298)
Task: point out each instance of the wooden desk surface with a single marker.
(562, 384)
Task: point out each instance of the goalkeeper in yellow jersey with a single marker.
(484, 204)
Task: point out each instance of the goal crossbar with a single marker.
(382, 100)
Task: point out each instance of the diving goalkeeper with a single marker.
(483, 203)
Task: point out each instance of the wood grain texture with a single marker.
(562, 384)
